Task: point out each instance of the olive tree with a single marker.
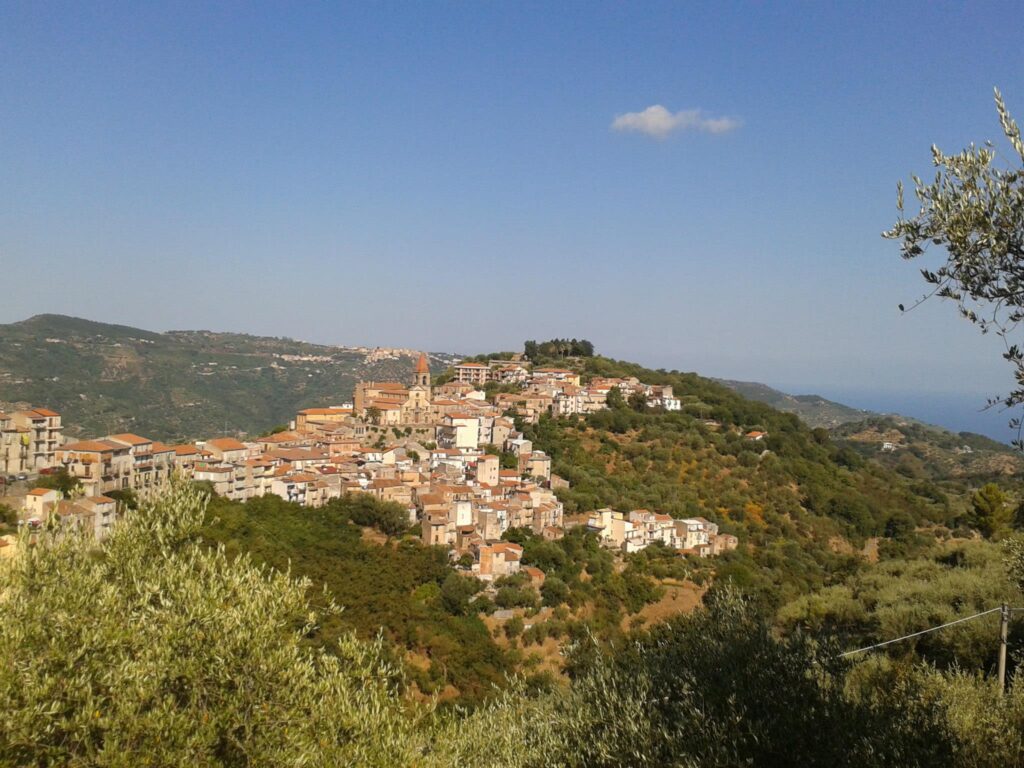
(973, 211)
(153, 649)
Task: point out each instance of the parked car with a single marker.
(23, 477)
(11, 479)
(48, 471)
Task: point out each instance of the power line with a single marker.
(922, 632)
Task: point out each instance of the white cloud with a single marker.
(658, 122)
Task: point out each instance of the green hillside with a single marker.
(815, 410)
(180, 384)
(802, 504)
(922, 451)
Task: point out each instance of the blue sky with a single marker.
(447, 176)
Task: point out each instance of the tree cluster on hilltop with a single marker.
(554, 348)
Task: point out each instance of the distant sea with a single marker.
(954, 411)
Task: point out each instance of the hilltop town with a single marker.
(448, 453)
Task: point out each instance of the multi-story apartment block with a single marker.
(94, 515)
(309, 418)
(438, 530)
(221, 479)
(487, 468)
(511, 373)
(459, 431)
(13, 446)
(152, 463)
(556, 375)
(29, 440)
(101, 465)
(44, 429)
(497, 560)
(227, 449)
(536, 464)
(118, 462)
(693, 533)
(472, 373)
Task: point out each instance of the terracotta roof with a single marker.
(64, 508)
(280, 437)
(507, 546)
(215, 470)
(259, 463)
(40, 491)
(128, 437)
(45, 412)
(91, 446)
(226, 444)
(297, 454)
(441, 488)
(422, 366)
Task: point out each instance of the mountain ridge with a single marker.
(184, 383)
(107, 378)
(815, 410)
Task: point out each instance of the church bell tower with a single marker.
(423, 372)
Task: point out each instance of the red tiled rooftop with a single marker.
(226, 444)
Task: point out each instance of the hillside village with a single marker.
(449, 454)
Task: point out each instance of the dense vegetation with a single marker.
(813, 410)
(924, 452)
(558, 348)
(155, 648)
(431, 616)
(948, 580)
(801, 504)
(399, 587)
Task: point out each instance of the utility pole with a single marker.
(1004, 630)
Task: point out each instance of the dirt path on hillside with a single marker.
(679, 597)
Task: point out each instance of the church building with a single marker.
(391, 402)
